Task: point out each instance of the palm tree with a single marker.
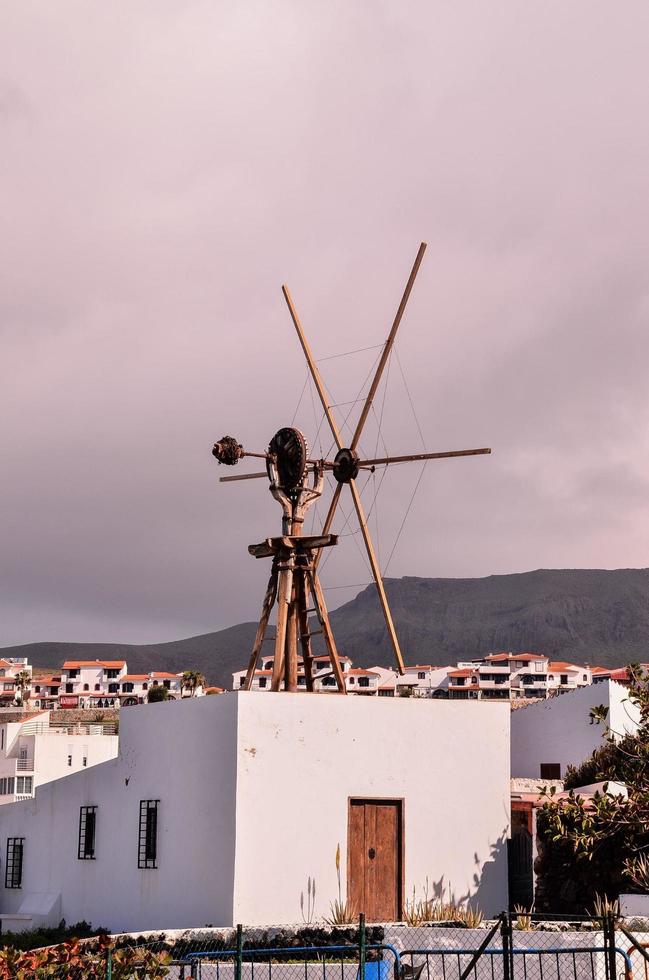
(192, 679)
(23, 682)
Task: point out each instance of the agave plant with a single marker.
(341, 913)
(523, 917)
(636, 869)
(603, 905)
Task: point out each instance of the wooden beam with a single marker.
(313, 367)
(243, 476)
(322, 394)
(388, 347)
(323, 617)
(413, 457)
(378, 578)
(269, 602)
(285, 586)
(290, 664)
(302, 591)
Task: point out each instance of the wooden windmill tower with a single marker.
(296, 482)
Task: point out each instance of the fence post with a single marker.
(361, 946)
(506, 934)
(109, 964)
(609, 944)
(238, 965)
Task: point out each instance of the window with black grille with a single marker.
(147, 856)
(14, 865)
(87, 828)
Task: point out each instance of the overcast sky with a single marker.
(165, 166)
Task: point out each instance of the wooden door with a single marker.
(375, 858)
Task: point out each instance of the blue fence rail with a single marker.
(336, 962)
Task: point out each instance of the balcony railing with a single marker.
(42, 728)
(25, 765)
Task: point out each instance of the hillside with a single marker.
(589, 615)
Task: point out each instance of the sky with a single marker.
(165, 166)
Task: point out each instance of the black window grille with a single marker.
(147, 856)
(14, 864)
(87, 827)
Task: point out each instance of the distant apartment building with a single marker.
(11, 671)
(419, 681)
(91, 683)
(494, 677)
(508, 676)
(358, 680)
(103, 684)
(33, 752)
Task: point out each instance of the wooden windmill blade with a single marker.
(356, 497)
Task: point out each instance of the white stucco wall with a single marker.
(559, 729)
(300, 759)
(51, 753)
(254, 795)
(182, 753)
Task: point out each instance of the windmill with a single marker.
(296, 482)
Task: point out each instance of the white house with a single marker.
(45, 692)
(509, 676)
(217, 810)
(10, 667)
(32, 752)
(358, 680)
(103, 684)
(422, 681)
(567, 677)
(173, 683)
(86, 683)
(550, 735)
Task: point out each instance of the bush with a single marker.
(158, 693)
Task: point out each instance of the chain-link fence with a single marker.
(517, 946)
(521, 946)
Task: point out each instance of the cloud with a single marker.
(167, 166)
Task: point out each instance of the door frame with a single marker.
(401, 842)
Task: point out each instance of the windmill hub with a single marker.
(345, 468)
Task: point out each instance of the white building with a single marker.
(549, 736)
(32, 752)
(103, 684)
(217, 810)
(509, 676)
(358, 680)
(421, 681)
(567, 677)
(10, 667)
(91, 683)
(45, 692)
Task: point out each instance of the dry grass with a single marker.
(426, 909)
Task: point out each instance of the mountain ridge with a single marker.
(588, 615)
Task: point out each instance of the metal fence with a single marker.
(512, 947)
(522, 947)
